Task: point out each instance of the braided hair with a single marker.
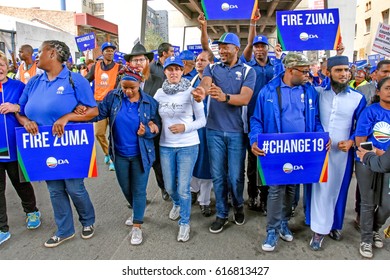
(63, 52)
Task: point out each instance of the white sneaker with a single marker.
(136, 236)
(174, 214)
(129, 221)
(378, 242)
(184, 233)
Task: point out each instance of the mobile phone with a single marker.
(367, 146)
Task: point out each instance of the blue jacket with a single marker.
(148, 111)
(266, 117)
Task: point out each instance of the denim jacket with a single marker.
(266, 118)
(148, 111)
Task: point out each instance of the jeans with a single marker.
(133, 181)
(177, 165)
(227, 162)
(371, 219)
(60, 191)
(24, 190)
(279, 204)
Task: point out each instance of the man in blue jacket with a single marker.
(287, 104)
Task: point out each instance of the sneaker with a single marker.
(129, 221)
(33, 220)
(206, 210)
(270, 241)
(194, 197)
(239, 217)
(107, 159)
(54, 241)
(316, 241)
(174, 214)
(111, 167)
(164, 194)
(87, 232)
(184, 233)
(366, 250)
(263, 208)
(252, 205)
(136, 236)
(217, 226)
(335, 234)
(285, 233)
(4, 236)
(378, 242)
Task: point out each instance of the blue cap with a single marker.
(187, 55)
(337, 60)
(260, 39)
(173, 60)
(108, 45)
(372, 69)
(229, 38)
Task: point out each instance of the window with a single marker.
(368, 6)
(385, 17)
(368, 25)
(98, 7)
(85, 2)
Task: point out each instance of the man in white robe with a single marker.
(340, 107)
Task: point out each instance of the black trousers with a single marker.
(252, 178)
(24, 190)
(157, 165)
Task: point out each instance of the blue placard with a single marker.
(293, 158)
(308, 29)
(119, 56)
(195, 49)
(4, 146)
(229, 10)
(85, 42)
(46, 157)
(360, 64)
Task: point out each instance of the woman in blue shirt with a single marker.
(374, 126)
(134, 122)
(10, 92)
(49, 99)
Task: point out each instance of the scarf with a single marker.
(170, 89)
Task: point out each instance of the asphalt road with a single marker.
(111, 241)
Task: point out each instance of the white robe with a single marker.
(338, 114)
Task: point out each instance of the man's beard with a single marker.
(338, 87)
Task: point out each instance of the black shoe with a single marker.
(252, 204)
(263, 208)
(239, 217)
(54, 241)
(206, 210)
(164, 194)
(194, 197)
(217, 226)
(335, 234)
(87, 232)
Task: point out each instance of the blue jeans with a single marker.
(133, 181)
(177, 165)
(227, 162)
(279, 204)
(60, 191)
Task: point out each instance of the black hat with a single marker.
(139, 49)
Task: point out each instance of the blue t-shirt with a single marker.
(293, 108)
(264, 74)
(125, 128)
(12, 90)
(189, 76)
(374, 122)
(45, 101)
(223, 116)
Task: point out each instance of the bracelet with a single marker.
(253, 24)
(18, 108)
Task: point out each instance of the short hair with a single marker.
(210, 55)
(28, 48)
(382, 62)
(163, 47)
(63, 52)
(4, 57)
(382, 82)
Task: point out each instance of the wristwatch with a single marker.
(227, 98)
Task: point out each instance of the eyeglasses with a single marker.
(304, 72)
(135, 61)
